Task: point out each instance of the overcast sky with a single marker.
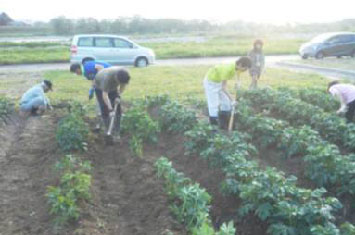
(270, 11)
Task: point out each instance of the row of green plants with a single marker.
(140, 127)
(74, 174)
(72, 131)
(282, 105)
(325, 165)
(72, 189)
(270, 195)
(317, 97)
(191, 203)
(6, 108)
(267, 193)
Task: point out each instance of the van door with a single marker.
(125, 52)
(103, 49)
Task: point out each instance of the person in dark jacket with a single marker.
(257, 58)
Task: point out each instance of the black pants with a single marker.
(104, 109)
(351, 110)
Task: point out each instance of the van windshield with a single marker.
(321, 38)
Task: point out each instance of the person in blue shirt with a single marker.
(34, 101)
(89, 69)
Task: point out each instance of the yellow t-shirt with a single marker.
(221, 73)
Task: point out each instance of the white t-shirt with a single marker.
(346, 91)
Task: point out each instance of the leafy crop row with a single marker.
(138, 124)
(270, 195)
(325, 164)
(72, 131)
(191, 202)
(284, 106)
(74, 186)
(315, 97)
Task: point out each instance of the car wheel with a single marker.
(320, 55)
(339, 56)
(141, 62)
(304, 57)
(353, 54)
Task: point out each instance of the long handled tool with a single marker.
(112, 119)
(231, 119)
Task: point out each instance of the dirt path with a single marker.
(26, 161)
(131, 198)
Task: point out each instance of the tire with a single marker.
(141, 62)
(339, 56)
(86, 60)
(352, 54)
(305, 57)
(320, 55)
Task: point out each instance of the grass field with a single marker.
(180, 82)
(17, 53)
(346, 63)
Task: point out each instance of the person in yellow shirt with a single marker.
(215, 84)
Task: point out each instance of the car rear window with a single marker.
(103, 42)
(86, 42)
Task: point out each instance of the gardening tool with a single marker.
(112, 119)
(231, 119)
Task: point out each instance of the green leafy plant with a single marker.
(72, 133)
(141, 127)
(6, 108)
(74, 186)
(191, 202)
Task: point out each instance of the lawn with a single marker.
(346, 63)
(44, 52)
(180, 82)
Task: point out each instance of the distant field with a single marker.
(45, 52)
(346, 63)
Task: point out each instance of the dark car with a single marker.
(329, 44)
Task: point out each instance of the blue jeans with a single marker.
(32, 105)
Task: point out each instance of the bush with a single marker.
(72, 133)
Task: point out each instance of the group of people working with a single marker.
(109, 82)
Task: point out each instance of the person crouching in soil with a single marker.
(218, 98)
(34, 101)
(109, 86)
(257, 58)
(345, 93)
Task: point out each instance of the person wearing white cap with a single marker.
(34, 101)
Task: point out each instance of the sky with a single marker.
(262, 11)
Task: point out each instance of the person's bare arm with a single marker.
(107, 100)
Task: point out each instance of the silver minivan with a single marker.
(111, 49)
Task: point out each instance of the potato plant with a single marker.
(270, 195)
(74, 186)
(6, 108)
(174, 117)
(191, 202)
(137, 124)
(325, 165)
(72, 133)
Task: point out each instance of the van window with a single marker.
(103, 42)
(86, 42)
(120, 43)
